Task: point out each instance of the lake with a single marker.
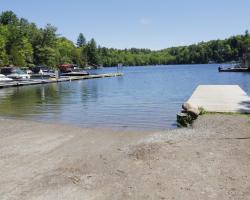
(145, 98)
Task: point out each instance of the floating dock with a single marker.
(54, 80)
(220, 98)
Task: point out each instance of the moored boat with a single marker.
(42, 72)
(3, 78)
(14, 73)
(75, 72)
(234, 69)
(242, 66)
(72, 70)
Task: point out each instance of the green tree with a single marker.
(45, 48)
(47, 56)
(8, 18)
(21, 53)
(92, 53)
(81, 40)
(27, 51)
(65, 49)
(4, 60)
(49, 36)
(246, 33)
(23, 43)
(16, 56)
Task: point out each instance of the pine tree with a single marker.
(81, 41)
(92, 53)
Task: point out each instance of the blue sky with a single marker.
(154, 24)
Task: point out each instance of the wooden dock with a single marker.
(220, 98)
(19, 83)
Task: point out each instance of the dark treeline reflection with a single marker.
(42, 98)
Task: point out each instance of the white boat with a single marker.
(4, 78)
(19, 76)
(14, 73)
(72, 70)
(75, 72)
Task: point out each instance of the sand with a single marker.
(211, 160)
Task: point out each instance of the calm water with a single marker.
(144, 98)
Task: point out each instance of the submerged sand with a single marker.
(49, 161)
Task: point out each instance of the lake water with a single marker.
(145, 98)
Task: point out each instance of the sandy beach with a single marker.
(41, 161)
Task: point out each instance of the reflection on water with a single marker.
(145, 98)
(29, 100)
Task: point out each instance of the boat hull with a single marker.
(233, 69)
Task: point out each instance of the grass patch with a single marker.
(227, 113)
(204, 112)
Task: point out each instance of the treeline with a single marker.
(24, 44)
(215, 51)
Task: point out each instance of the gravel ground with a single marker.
(211, 160)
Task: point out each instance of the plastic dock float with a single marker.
(220, 98)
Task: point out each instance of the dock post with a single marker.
(57, 75)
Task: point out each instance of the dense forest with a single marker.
(22, 43)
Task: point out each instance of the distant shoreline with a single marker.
(43, 46)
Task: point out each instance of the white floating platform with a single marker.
(220, 98)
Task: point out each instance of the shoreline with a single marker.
(112, 128)
(211, 160)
